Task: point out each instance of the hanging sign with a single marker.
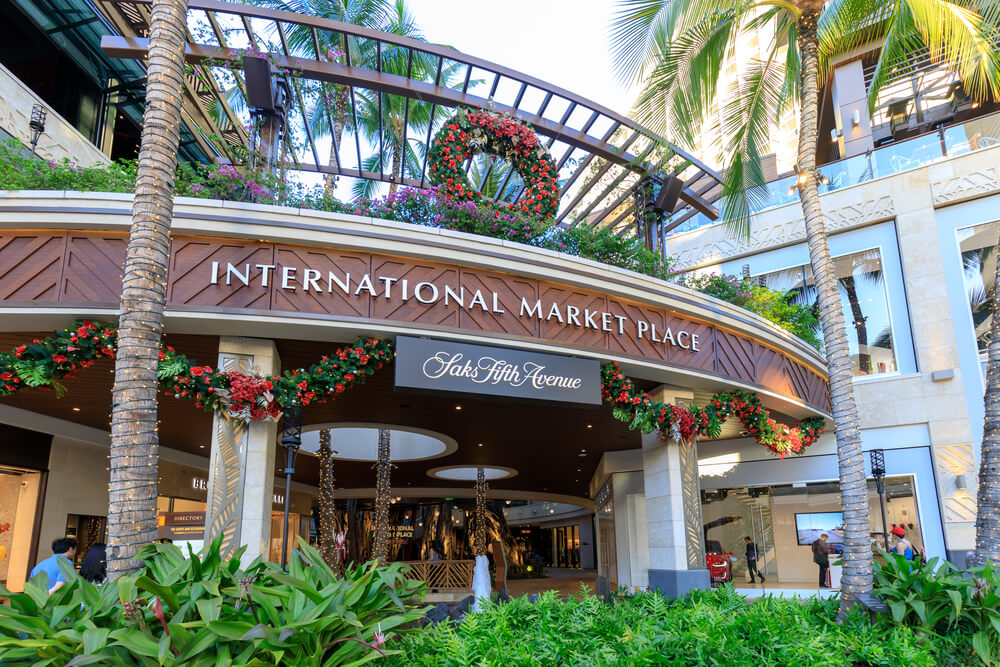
(423, 363)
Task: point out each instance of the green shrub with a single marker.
(717, 627)
(940, 600)
(772, 305)
(207, 611)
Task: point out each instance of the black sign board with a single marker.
(423, 363)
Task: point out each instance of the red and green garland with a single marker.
(640, 411)
(473, 131)
(44, 362)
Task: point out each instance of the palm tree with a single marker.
(330, 114)
(134, 440)
(681, 49)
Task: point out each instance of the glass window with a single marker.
(978, 246)
(865, 306)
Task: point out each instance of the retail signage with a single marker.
(397, 291)
(423, 363)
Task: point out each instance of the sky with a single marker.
(563, 42)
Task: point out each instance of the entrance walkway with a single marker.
(789, 590)
(562, 580)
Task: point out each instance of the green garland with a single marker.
(44, 362)
(640, 411)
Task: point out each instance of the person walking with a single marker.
(95, 564)
(821, 556)
(751, 555)
(64, 548)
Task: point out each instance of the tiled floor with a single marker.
(564, 581)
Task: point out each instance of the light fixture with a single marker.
(856, 117)
(76, 409)
(291, 442)
(835, 134)
(458, 407)
(37, 124)
(201, 446)
(590, 426)
(480, 444)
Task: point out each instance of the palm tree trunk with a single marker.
(860, 324)
(988, 496)
(327, 518)
(134, 440)
(857, 557)
(380, 548)
(339, 114)
(397, 165)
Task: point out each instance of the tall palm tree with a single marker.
(383, 467)
(681, 49)
(330, 114)
(134, 440)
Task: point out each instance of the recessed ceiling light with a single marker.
(480, 444)
(76, 409)
(201, 446)
(582, 454)
(458, 407)
(590, 426)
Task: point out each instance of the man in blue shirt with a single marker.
(64, 548)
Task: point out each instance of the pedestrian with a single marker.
(821, 556)
(95, 564)
(903, 546)
(752, 560)
(64, 548)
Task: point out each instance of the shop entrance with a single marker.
(784, 521)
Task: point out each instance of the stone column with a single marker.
(241, 467)
(673, 510)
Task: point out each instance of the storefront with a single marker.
(270, 293)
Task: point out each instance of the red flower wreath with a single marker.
(470, 132)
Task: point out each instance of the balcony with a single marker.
(894, 158)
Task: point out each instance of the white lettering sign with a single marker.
(428, 293)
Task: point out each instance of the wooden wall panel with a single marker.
(411, 310)
(93, 268)
(509, 291)
(565, 332)
(30, 266)
(735, 355)
(348, 267)
(629, 343)
(191, 273)
(702, 359)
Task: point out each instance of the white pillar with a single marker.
(673, 510)
(850, 99)
(241, 468)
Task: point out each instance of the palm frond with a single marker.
(747, 119)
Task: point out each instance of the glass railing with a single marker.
(894, 158)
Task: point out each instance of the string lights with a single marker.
(327, 518)
(479, 543)
(383, 466)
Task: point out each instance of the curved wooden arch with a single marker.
(583, 129)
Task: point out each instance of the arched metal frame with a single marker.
(602, 156)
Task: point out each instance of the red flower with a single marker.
(197, 370)
(59, 359)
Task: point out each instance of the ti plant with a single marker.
(203, 610)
